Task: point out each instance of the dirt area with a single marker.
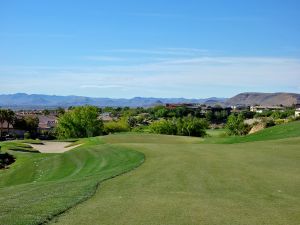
(257, 127)
(53, 147)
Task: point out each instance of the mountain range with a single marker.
(37, 101)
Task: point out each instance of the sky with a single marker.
(157, 48)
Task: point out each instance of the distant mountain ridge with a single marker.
(36, 101)
(265, 99)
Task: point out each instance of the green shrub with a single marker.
(235, 125)
(116, 127)
(27, 135)
(279, 121)
(164, 126)
(187, 126)
(269, 122)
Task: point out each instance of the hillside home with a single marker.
(207, 109)
(186, 105)
(261, 109)
(238, 108)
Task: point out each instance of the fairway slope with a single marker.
(188, 183)
(287, 130)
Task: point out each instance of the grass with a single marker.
(40, 186)
(18, 146)
(287, 130)
(184, 181)
(216, 132)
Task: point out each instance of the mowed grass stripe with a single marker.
(40, 186)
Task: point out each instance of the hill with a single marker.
(36, 101)
(283, 131)
(266, 99)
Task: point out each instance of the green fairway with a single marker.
(189, 183)
(184, 181)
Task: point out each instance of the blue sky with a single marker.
(118, 48)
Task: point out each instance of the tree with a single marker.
(161, 113)
(209, 116)
(28, 123)
(10, 118)
(235, 125)
(79, 122)
(132, 121)
(46, 112)
(32, 123)
(2, 120)
(60, 111)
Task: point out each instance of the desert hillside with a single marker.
(266, 99)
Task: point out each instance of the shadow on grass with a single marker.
(30, 150)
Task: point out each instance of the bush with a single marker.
(269, 123)
(164, 126)
(187, 126)
(115, 127)
(27, 135)
(191, 126)
(235, 125)
(5, 160)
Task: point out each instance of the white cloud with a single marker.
(185, 76)
(163, 51)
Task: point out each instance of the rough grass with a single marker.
(40, 186)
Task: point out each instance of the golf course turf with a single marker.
(184, 181)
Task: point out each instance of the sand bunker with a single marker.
(53, 147)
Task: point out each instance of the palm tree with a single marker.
(2, 119)
(10, 118)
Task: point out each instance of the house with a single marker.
(186, 105)
(208, 109)
(46, 123)
(106, 117)
(261, 109)
(239, 107)
(297, 112)
(11, 130)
